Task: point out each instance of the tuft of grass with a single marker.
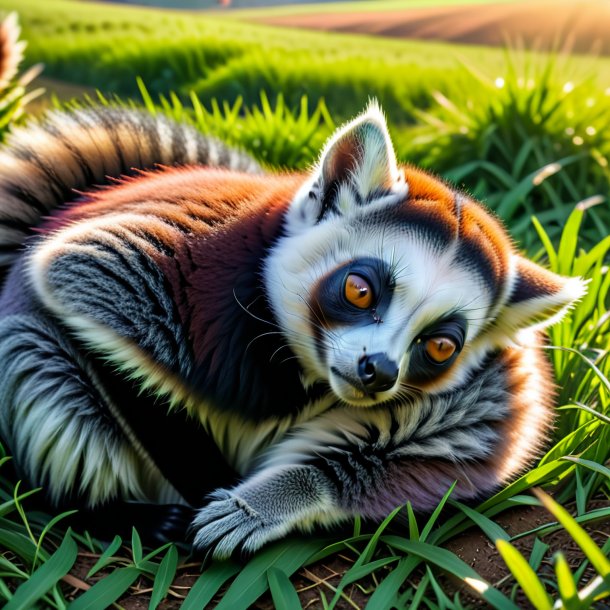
(277, 135)
(13, 85)
(568, 595)
(529, 142)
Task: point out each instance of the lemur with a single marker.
(269, 351)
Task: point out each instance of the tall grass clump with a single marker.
(529, 142)
(277, 134)
(565, 584)
(13, 93)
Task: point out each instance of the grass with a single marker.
(224, 59)
(13, 94)
(529, 143)
(518, 153)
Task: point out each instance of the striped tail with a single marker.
(43, 163)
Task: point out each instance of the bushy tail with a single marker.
(43, 163)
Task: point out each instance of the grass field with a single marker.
(527, 134)
(89, 44)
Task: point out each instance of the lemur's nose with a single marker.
(377, 372)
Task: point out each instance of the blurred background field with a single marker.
(508, 100)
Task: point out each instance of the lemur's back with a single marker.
(329, 344)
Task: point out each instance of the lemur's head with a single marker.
(388, 280)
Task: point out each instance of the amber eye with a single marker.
(358, 291)
(440, 349)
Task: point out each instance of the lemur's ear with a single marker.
(538, 297)
(356, 166)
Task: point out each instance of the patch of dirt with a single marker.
(581, 26)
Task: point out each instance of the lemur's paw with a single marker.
(228, 525)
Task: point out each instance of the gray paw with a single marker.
(229, 524)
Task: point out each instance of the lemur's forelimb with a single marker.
(348, 463)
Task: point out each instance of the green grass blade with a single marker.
(566, 584)
(422, 587)
(208, 584)
(156, 552)
(583, 540)
(491, 529)
(588, 361)
(337, 547)
(546, 242)
(46, 576)
(598, 514)
(149, 104)
(437, 511)
(47, 528)
(451, 563)
(106, 591)
(538, 552)
(597, 589)
(594, 466)
(164, 578)
(136, 546)
(357, 572)
(10, 505)
(366, 555)
(441, 596)
(288, 555)
(569, 240)
(525, 575)
(413, 526)
(106, 556)
(282, 590)
(386, 594)
(582, 407)
(537, 476)
(19, 544)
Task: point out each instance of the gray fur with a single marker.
(111, 280)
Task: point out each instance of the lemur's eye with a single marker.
(358, 291)
(440, 349)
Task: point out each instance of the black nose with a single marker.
(377, 372)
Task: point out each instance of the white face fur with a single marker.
(428, 312)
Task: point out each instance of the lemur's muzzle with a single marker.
(377, 372)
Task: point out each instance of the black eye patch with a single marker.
(333, 299)
(427, 362)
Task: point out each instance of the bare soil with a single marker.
(581, 26)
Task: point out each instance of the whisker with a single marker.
(272, 332)
(281, 347)
(251, 314)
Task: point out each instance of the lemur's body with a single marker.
(327, 345)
